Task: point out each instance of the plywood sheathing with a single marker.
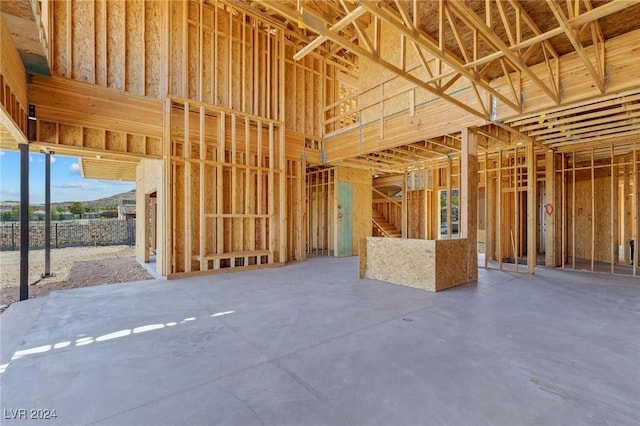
(424, 264)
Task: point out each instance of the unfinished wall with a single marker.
(116, 44)
(597, 189)
(296, 210)
(227, 190)
(507, 182)
(319, 213)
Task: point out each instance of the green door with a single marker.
(345, 220)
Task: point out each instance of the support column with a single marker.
(550, 212)
(24, 221)
(532, 210)
(47, 215)
(404, 212)
(469, 200)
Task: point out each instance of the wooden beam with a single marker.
(574, 38)
(321, 27)
(423, 40)
(469, 16)
(338, 26)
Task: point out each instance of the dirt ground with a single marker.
(72, 267)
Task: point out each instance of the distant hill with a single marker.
(100, 204)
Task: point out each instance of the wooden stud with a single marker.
(499, 224)
(220, 188)
(405, 207)
(635, 207)
(188, 217)
(613, 189)
(202, 225)
(573, 211)
(532, 208)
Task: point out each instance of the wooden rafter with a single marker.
(320, 26)
(574, 37)
(424, 41)
(466, 14)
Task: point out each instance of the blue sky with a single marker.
(66, 182)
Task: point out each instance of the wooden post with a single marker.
(188, 214)
(636, 204)
(487, 227)
(573, 211)
(516, 219)
(220, 190)
(532, 209)
(614, 205)
(449, 198)
(489, 249)
(549, 209)
(405, 213)
(203, 224)
(499, 210)
(626, 214)
(593, 213)
(468, 211)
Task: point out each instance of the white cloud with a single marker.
(72, 185)
(74, 169)
(30, 158)
(53, 159)
(1, 153)
(79, 185)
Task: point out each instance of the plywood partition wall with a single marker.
(320, 218)
(227, 189)
(599, 192)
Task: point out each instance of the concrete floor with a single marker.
(309, 344)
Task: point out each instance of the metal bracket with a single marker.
(494, 108)
(323, 153)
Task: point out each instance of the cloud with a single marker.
(1, 153)
(30, 158)
(79, 185)
(53, 159)
(74, 169)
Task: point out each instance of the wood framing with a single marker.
(271, 130)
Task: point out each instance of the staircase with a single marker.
(383, 227)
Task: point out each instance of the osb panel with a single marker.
(116, 45)
(402, 261)
(134, 45)
(603, 199)
(452, 263)
(83, 30)
(424, 264)
(347, 174)
(153, 50)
